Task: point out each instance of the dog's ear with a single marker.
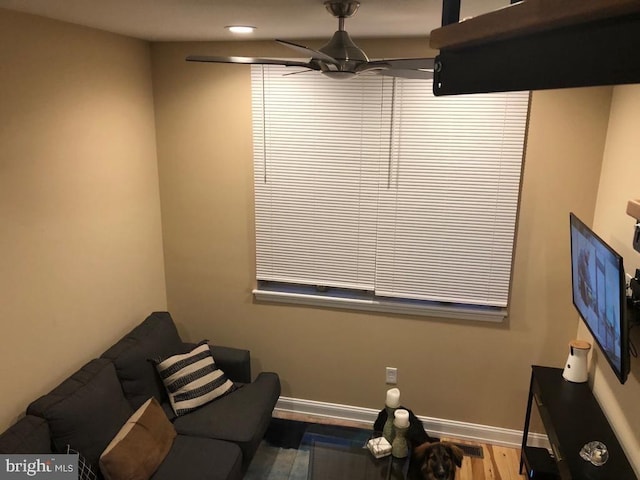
(421, 450)
(455, 452)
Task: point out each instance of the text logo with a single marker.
(50, 467)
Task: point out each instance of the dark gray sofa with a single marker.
(216, 441)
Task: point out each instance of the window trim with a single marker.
(273, 289)
(304, 295)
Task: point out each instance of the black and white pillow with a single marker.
(85, 470)
(192, 379)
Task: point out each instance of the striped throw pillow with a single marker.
(193, 379)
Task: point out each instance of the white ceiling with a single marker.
(180, 20)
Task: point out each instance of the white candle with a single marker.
(402, 418)
(393, 398)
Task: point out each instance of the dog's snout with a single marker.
(440, 473)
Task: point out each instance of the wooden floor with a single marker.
(499, 463)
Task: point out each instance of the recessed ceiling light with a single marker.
(240, 28)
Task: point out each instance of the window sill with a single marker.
(426, 309)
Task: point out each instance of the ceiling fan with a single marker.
(340, 57)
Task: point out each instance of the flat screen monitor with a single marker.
(598, 284)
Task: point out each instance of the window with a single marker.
(372, 193)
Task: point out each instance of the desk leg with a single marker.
(525, 431)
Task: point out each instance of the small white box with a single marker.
(379, 447)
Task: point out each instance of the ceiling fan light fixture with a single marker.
(338, 75)
(241, 29)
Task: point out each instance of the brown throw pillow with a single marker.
(140, 446)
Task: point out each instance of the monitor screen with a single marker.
(599, 293)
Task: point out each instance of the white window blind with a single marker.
(447, 222)
(374, 184)
(317, 167)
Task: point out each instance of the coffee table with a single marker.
(338, 456)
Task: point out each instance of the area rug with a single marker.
(284, 452)
(282, 455)
(275, 463)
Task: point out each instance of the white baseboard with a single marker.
(436, 427)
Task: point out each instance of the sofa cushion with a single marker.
(28, 435)
(140, 446)
(156, 337)
(241, 417)
(196, 458)
(192, 379)
(86, 410)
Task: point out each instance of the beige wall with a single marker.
(80, 242)
(456, 370)
(620, 182)
(82, 245)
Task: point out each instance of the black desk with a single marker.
(572, 417)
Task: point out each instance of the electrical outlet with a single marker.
(391, 375)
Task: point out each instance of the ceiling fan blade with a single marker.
(406, 73)
(288, 74)
(252, 60)
(314, 54)
(399, 63)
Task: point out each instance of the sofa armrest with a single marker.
(234, 362)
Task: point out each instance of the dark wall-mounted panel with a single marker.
(540, 44)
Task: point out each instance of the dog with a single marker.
(435, 461)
